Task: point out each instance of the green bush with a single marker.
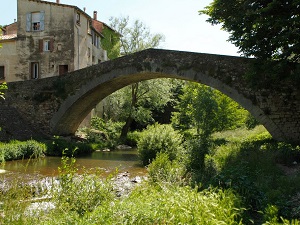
(15, 150)
(105, 132)
(60, 147)
(171, 204)
(251, 122)
(164, 170)
(132, 138)
(159, 138)
(80, 193)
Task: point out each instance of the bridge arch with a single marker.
(219, 72)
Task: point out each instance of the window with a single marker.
(2, 77)
(59, 47)
(46, 45)
(95, 39)
(63, 69)
(34, 70)
(78, 18)
(89, 27)
(35, 21)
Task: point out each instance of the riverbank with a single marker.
(247, 178)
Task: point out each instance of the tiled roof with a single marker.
(8, 37)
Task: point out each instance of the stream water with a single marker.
(123, 160)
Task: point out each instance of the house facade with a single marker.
(49, 39)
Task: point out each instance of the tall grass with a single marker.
(87, 199)
(21, 150)
(242, 183)
(251, 163)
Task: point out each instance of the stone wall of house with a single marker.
(9, 58)
(60, 42)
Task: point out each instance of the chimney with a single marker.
(95, 15)
(84, 9)
(57, 1)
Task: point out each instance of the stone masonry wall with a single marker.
(276, 106)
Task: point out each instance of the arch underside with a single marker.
(76, 107)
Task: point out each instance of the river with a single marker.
(124, 160)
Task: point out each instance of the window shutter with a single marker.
(51, 44)
(28, 22)
(42, 20)
(41, 45)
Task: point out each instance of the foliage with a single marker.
(134, 37)
(159, 138)
(251, 122)
(197, 150)
(3, 87)
(132, 138)
(258, 30)
(14, 201)
(246, 163)
(21, 150)
(59, 146)
(81, 194)
(171, 204)
(136, 103)
(103, 132)
(111, 42)
(207, 110)
(250, 165)
(163, 170)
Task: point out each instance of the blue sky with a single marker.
(179, 21)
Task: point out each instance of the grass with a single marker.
(251, 163)
(250, 179)
(15, 150)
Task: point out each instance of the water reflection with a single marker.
(124, 160)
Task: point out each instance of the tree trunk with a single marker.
(134, 100)
(126, 127)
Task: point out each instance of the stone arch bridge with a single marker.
(57, 105)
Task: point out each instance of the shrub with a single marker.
(159, 138)
(15, 150)
(106, 132)
(171, 204)
(164, 170)
(132, 138)
(59, 147)
(80, 193)
(251, 122)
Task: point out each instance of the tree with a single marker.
(263, 29)
(134, 38)
(138, 101)
(267, 30)
(207, 110)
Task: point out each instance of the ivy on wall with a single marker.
(111, 42)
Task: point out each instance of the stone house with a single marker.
(49, 39)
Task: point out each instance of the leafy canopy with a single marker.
(135, 36)
(207, 110)
(135, 102)
(265, 29)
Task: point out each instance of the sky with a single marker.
(178, 20)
